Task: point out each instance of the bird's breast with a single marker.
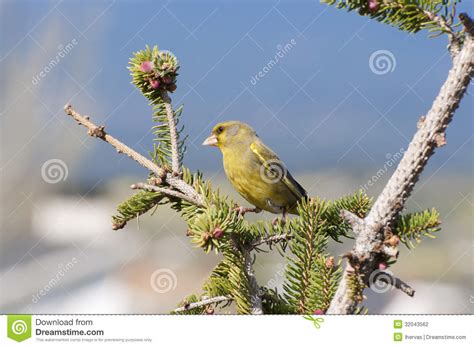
(245, 175)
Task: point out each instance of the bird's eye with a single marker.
(220, 129)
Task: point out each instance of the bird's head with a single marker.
(230, 133)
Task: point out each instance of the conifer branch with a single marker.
(386, 209)
(165, 191)
(175, 157)
(204, 302)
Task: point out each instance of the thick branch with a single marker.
(256, 300)
(370, 234)
(205, 302)
(99, 131)
(175, 164)
(355, 221)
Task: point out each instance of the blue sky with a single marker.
(319, 107)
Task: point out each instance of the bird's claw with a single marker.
(277, 220)
(243, 210)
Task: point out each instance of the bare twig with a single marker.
(370, 233)
(397, 283)
(270, 240)
(204, 302)
(175, 162)
(165, 191)
(99, 131)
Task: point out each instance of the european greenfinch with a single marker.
(255, 170)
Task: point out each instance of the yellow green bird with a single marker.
(255, 170)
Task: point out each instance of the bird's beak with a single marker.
(210, 141)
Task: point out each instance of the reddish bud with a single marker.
(155, 84)
(393, 241)
(146, 66)
(318, 311)
(383, 266)
(217, 233)
(373, 5)
(329, 262)
(209, 310)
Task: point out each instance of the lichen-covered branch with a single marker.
(372, 231)
(165, 191)
(255, 298)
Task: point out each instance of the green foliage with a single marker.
(217, 284)
(356, 286)
(412, 227)
(237, 281)
(325, 281)
(274, 303)
(229, 279)
(361, 310)
(189, 300)
(162, 138)
(135, 206)
(309, 241)
(407, 15)
(211, 228)
(358, 203)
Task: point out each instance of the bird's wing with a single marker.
(268, 159)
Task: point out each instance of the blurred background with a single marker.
(336, 95)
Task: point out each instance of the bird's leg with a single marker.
(282, 220)
(243, 210)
